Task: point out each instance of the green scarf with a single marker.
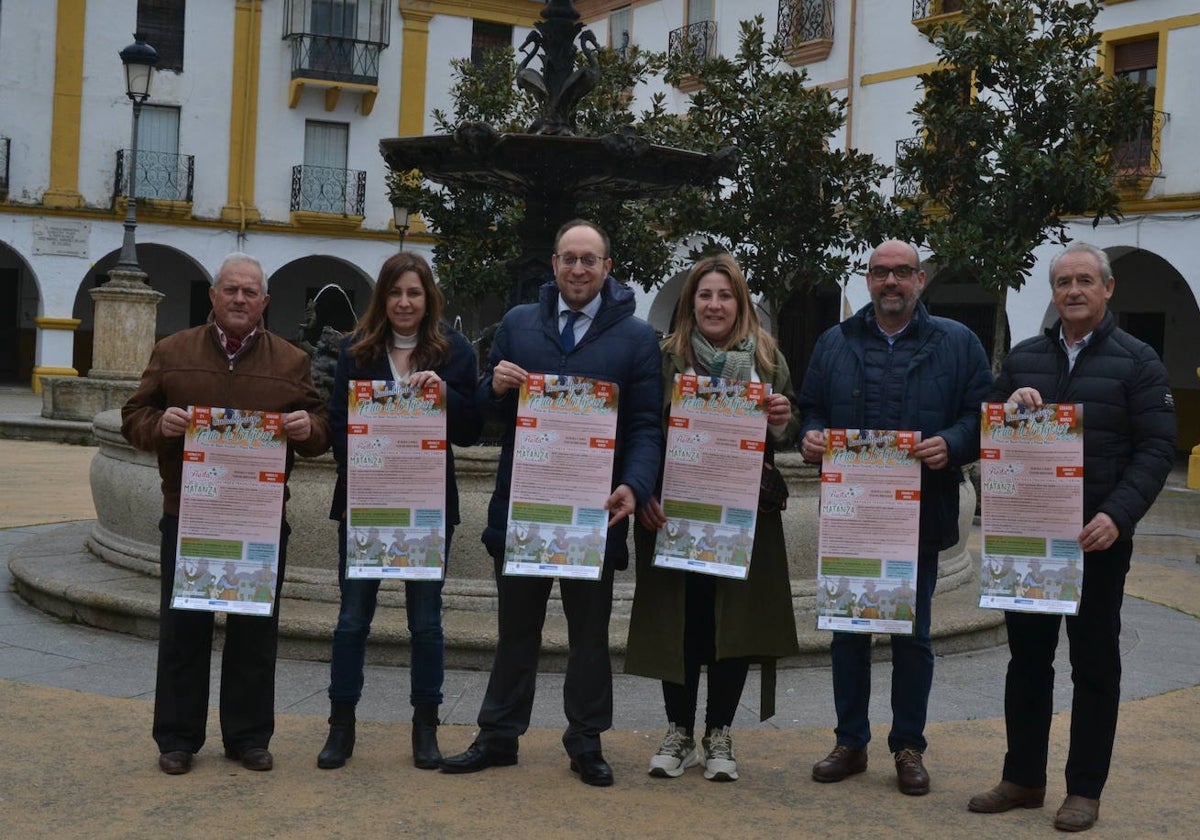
(736, 362)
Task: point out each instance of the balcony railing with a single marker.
(335, 59)
(165, 176)
(922, 9)
(805, 20)
(905, 186)
(697, 39)
(1138, 158)
(337, 41)
(324, 189)
(4, 144)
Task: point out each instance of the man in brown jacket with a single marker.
(231, 362)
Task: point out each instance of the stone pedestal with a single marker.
(124, 326)
(122, 340)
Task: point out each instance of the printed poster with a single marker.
(1031, 495)
(869, 530)
(395, 481)
(561, 477)
(711, 475)
(230, 511)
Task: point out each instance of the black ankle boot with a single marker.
(339, 746)
(426, 754)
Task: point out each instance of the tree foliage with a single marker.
(796, 208)
(1018, 126)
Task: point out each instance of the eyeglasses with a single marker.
(881, 272)
(588, 260)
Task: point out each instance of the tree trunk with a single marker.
(1000, 330)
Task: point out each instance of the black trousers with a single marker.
(185, 640)
(1094, 636)
(587, 693)
(726, 677)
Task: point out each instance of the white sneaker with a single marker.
(720, 764)
(676, 754)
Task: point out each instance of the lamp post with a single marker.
(400, 215)
(139, 59)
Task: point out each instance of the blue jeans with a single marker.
(912, 674)
(423, 602)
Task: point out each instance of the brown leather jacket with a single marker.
(191, 368)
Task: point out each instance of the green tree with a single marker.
(796, 208)
(477, 231)
(1018, 127)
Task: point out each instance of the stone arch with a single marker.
(179, 276)
(21, 303)
(293, 284)
(958, 296)
(1153, 301)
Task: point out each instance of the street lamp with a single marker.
(400, 215)
(139, 59)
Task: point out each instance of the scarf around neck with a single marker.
(736, 362)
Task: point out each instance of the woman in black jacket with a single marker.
(400, 338)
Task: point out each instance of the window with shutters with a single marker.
(1138, 62)
(161, 23)
(487, 36)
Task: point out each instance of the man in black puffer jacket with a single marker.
(1128, 451)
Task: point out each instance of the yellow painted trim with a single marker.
(333, 91)
(63, 189)
(592, 10)
(520, 13)
(39, 371)
(155, 208)
(899, 73)
(283, 228)
(65, 324)
(243, 112)
(413, 67)
(321, 223)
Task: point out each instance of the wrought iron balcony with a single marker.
(4, 145)
(324, 189)
(932, 8)
(805, 20)
(1138, 158)
(697, 39)
(335, 59)
(905, 186)
(160, 175)
(337, 41)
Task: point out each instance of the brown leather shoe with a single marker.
(911, 777)
(839, 764)
(1078, 813)
(252, 758)
(175, 762)
(1006, 796)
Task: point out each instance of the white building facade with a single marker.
(261, 135)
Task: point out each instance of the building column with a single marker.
(67, 104)
(413, 62)
(243, 114)
(55, 349)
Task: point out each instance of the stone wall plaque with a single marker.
(63, 237)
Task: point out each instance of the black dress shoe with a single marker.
(252, 758)
(175, 762)
(592, 769)
(479, 756)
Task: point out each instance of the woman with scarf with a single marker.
(401, 337)
(682, 620)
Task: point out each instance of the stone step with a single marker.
(57, 574)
